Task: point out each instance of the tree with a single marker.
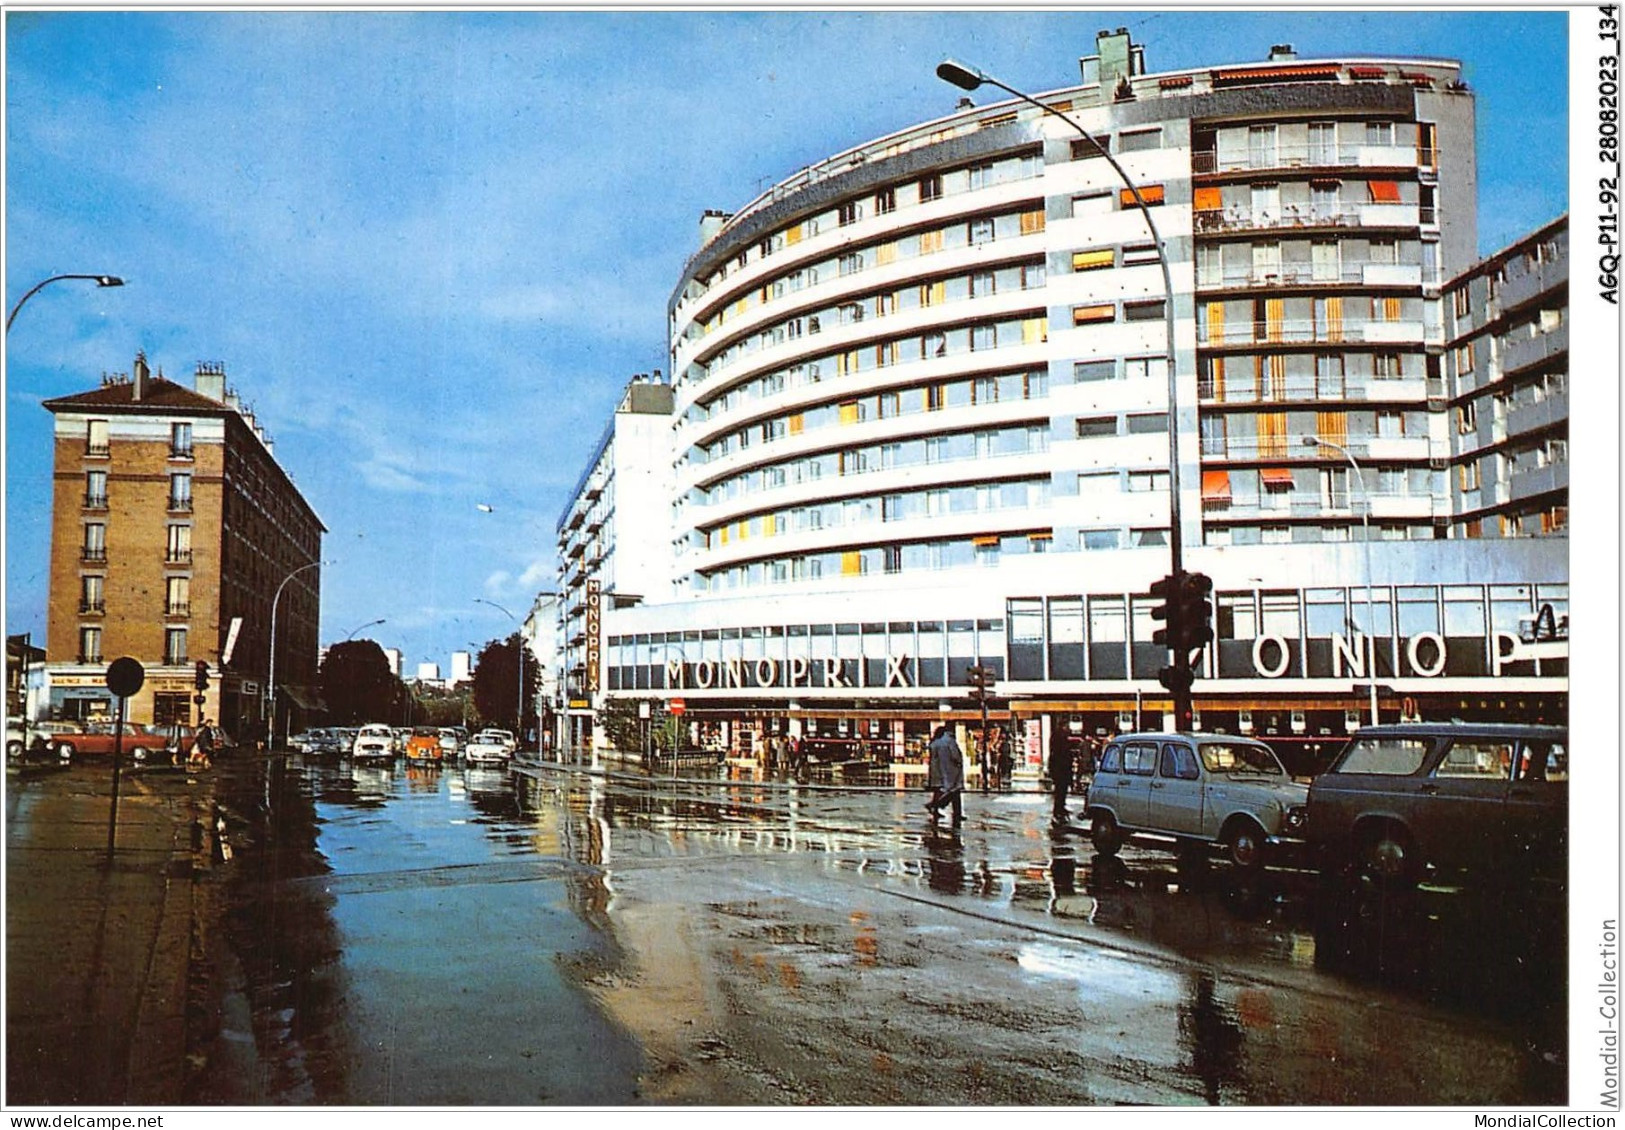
(358, 685)
(496, 684)
(626, 729)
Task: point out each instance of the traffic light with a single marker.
(1178, 680)
(1195, 611)
(981, 683)
(1166, 590)
(201, 681)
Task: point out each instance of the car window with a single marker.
(1240, 757)
(1179, 762)
(1393, 757)
(1544, 761)
(1110, 761)
(1140, 758)
(1481, 758)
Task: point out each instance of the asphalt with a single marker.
(116, 976)
(109, 985)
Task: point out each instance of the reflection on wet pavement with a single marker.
(480, 936)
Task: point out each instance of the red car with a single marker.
(140, 743)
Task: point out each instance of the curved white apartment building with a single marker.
(923, 383)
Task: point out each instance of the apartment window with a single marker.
(96, 438)
(90, 645)
(1148, 482)
(1464, 358)
(981, 231)
(1325, 260)
(1275, 535)
(96, 490)
(851, 263)
(930, 241)
(1099, 312)
(180, 440)
(1152, 194)
(850, 213)
(178, 596)
(1379, 133)
(1086, 371)
(1099, 539)
(1139, 254)
(1145, 367)
(90, 594)
(1261, 146)
(1139, 140)
(1085, 149)
(180, 491)
(885, 201)
(1093, 260)
(1147, 423)
(1470, 476)
(1323, 199)
(1388, 366)
(983, 337)
(174, 646)
(1032, 276)
(1093, 427)
(1464, 302)
(1091, 204)
(1384, 251)
(930, 188)
(1390, 425)
(1323, 143)
(95, 545)
(1151, 311)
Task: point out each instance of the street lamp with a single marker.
(99, 280)
(368, 624)
(519, 643)
(1365, 521)
(270, 676)
(969, 78)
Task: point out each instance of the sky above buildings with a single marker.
(430, 248)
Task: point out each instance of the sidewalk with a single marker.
(107, 985)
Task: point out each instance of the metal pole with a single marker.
(270, 676)
(968, 78)
(118, 751)
(1370, 577)
(99, 280)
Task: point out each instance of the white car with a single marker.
(489, 747)
(374, 742)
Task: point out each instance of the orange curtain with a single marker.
(1272, 435)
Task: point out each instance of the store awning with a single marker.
(1383, 191)
(1275, 476)
(1215, 486)
(1151, 193)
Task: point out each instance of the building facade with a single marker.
(921, 420)
(1507, 364)
(614, 540)
(174, 529)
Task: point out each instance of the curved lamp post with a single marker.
(519, 702)
(1365, 520)
(969, 78)
(270, 675)
(368, 624)
(99, 280)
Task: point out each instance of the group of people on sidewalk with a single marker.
(947, 773)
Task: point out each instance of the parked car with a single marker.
(1199, 790)
(452, 740)
(96, 739)
(373, 742)
(1445, 802)
(19, 736)
(489, 747)
(423, 746)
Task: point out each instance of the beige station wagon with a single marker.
(1200, 790)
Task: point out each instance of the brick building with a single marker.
(172, 522)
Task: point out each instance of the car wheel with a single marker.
(1104, 833)
(1246, 845)
(14, 751)
(1388, 857)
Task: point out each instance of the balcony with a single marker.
(178, 557)
(1305, 274)
(180, 505)
(183, 453)
(98, 450)
(1311, 333)
(1520, 352)
(95, 502)
(93, 554)
(1310, 390)
(87, 607)
(175, 609)
(1307, 219)
(1311, 157)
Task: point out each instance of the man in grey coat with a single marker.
(947, 777)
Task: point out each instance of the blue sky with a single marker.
(431, 247)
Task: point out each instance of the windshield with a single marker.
(1240, 757)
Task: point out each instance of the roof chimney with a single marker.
(210, 380)
(141, 375)
(711, 222)
(1282, 52)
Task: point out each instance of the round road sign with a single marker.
(125, 676)
(677, 706)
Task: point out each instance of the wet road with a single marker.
(483, 937)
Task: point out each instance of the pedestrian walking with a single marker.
(947, 775)
(1060, 767)
(1007, 758)
(202, 747)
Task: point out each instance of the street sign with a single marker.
(231, 640)
(125, 676)
(677, 706)
(199, 699)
